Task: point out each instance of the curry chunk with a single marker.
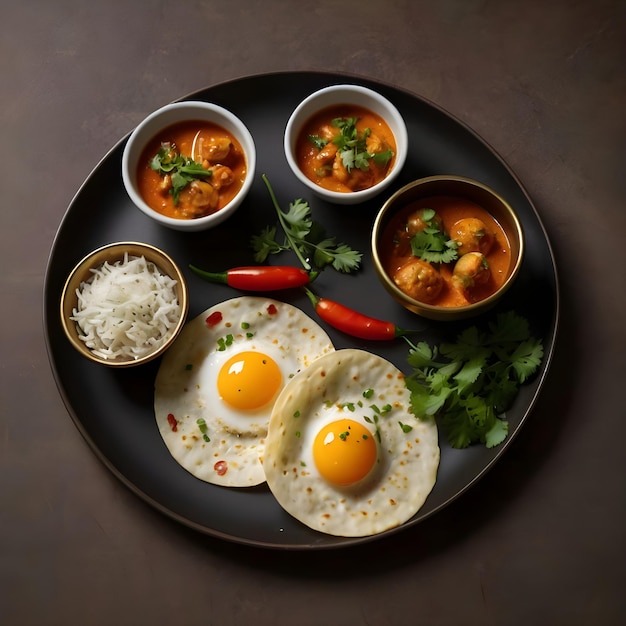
(419, 280)
(470, 270)
(214, 149)
(472, 235)
(198, 198)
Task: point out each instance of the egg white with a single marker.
(186, 385)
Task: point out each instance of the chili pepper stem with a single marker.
(214, 277)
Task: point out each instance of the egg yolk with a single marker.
(344, 452)
(249, 380)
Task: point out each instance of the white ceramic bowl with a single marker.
(167, 116)
(355, 95)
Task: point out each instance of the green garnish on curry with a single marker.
(352, 145)
(181, 169)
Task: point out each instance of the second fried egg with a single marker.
(344, 454)
(217, 384)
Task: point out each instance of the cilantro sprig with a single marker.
(352, 145)
(432, 244)
(181, 169)
(304, 237)
(469, 384)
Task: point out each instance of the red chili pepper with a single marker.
(352, 322)
(259, 278)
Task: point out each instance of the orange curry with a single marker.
(209, 145)
(320, 153)
(483, 252)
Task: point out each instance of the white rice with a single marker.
(127, 310)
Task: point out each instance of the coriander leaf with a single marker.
(469, 372)
(421, 355)
(500, 393)
(508, 327)
(526, 359)
(341, 256)
(265, 244)
(298, 218)
(352, 145)
(497, 433)
(305, 237)
(467, 385)
(432, 244)
(181, 169)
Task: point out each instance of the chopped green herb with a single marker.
(374, 421)
(224, 342)
(406, 428)
(368, 393)
(296, 414)
(203, 428)
(189, 366)
(245, 325)
(352, 145)
(181, 169)
(343, 436)
(349, 406)
(432, 244)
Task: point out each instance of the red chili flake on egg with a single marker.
(171, 420)
(221, 467)
(272, 310)
(214, 319)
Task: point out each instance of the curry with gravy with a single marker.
(345, 148)
(191, 169)
(445, 251)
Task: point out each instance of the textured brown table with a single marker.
(540, 540)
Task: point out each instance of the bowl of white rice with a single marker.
(124, 304)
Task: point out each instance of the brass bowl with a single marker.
(468, 189)
(111, 253)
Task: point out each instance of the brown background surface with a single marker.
(540, 540)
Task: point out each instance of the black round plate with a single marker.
(114, 409)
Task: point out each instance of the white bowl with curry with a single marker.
(189, 165)
(346, 143)
(447, 247)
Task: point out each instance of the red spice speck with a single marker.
(272, 310)
(221, 467)
(171, 420)
(214, 319)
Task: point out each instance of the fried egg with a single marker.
(217, 384)
(344, 454)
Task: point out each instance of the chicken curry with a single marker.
(191, 169)
(345, 148)
(445, 251)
